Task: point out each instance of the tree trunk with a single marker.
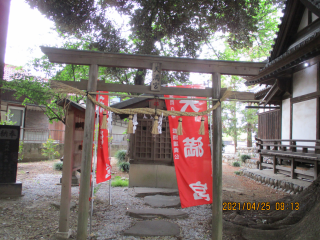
(140, 76)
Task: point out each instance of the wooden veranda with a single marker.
(96, 59)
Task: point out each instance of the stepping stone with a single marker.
(143, 191)
(163, 201)
(154, 213)
(153, 228)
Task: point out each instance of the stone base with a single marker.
(11, 189)
(74, 180)
(62, 235)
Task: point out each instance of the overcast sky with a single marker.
(28, 30)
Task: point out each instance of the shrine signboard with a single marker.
(9, 148)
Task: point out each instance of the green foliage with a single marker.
(177, 28)
(244, 157)
(223, 146)
(121, 155)
(58, 166)
(236, 164)
(124, 166)
(118, 182)
(21, 153)
(36, 91)
(6, 120)
(237, 172)
(49, 149)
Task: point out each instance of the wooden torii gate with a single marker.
(156, 63)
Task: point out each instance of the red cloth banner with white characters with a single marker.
(103, 171)
(191, 151)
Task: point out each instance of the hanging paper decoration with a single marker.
(134, 123)
(191, 152)
(160, 124)
(103, 171)
(110, 121)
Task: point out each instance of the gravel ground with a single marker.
(35, 215)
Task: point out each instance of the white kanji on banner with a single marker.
(190, 103)
(101, 100)
(192, 147)
(200, 191)
(108, 168)
(101, 137)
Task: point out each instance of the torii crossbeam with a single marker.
(156, 63)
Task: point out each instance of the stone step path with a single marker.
(154, 228)
(144, 191)
(154, 213)
(161, 201)
(159, 198)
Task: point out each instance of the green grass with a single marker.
(58, 166)
(236, 164)
(117, 182)
(237, 172)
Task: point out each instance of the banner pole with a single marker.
(109, 150)
(96, 135)
(216, 161)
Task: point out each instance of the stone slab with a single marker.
(154, 213)
(153, 228)
(269, 173)
(11, 189)
(143, 191)
(163, 201)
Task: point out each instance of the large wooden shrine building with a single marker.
(291, 130)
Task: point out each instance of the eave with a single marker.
(303, 51)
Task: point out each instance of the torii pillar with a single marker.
(87, 157)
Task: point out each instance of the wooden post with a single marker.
(293, 149)
(87, 157)
(4, 19)
(275, 147)
(216, 161)
(317, 151)
(315, 170)
(66, 177)
(274, 164)
(293, 167)
(260, 161)
(156, 77)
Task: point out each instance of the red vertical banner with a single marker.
(103, 171)
(191, 151)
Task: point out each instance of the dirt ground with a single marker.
(23, 218)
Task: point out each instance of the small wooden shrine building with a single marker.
(290, 131)
(151, 161)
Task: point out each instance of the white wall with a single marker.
(304, 120)
(285, 119)
(304, 20)
(305, 81)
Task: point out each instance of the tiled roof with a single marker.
(131, 101)
(294, 47)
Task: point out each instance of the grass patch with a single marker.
(118, 182)
(237, 172)
(236, 164)
(58, 166)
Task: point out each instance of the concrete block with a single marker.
(10, 189)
